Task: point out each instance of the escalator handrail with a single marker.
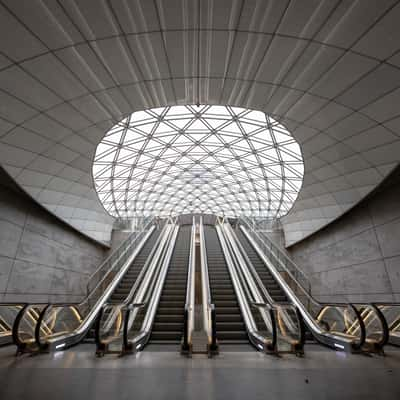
(309, 319)
(141, 275)
(130, 308)
(270, 309)
(269, 300)
(250, 287)
(76, 335)
(363, 328)
(145, 286)
(131, 238)
(395, 323)
(190, 291)
(134, 237)
(307, 292)
(255, 337)
(385, 327)
(209, 322)
(250, 266)
(15, 327)
(157, 285)
(284, 254)
(9, 324)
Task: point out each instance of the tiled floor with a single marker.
(321, 374)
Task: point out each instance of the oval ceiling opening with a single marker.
(221, 160)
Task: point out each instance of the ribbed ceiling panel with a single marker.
(328, 70)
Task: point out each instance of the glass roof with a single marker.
(198, 159)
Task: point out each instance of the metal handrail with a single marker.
(120, 254)
(331, 339)
(307, 293)
(190, 291)
(5, 323)
(67, 340)
(242, 254)
(393, 324)
(284, 254)
(259, 340)
(117, 254)
(144, 269)
(209, 322)
(153, 297)
(244, 260)
(142, 294)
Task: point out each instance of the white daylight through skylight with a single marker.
(221, 160)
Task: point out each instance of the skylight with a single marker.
(198, 159)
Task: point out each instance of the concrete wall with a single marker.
(117, 237)
(357, 257)
(41, 258)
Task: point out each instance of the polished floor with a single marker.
(322, 374)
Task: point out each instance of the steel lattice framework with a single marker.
(198, 159)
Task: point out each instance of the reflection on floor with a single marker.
(322, 374)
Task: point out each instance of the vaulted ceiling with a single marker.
(328, 70)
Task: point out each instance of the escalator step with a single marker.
(232, 335)
(166, 336)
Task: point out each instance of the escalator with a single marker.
(341, 326)
(230, 326)
(168, 323)
(269, 282)
(60, 326)
(290, 330)
(124, 287)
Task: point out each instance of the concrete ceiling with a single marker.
(329, 70)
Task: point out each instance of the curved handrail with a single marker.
(58, 341)
(371, 340)
(152, 298)
(391, 313)
(209, 321)
(188, 328)
(375, 337)
(49, 318)
(8, 314)
(148, 271)
(279, 308)
(330, 339)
